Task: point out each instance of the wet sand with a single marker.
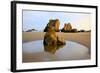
(35, 52)
(83, 38)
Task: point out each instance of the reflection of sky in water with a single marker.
(70, 51)
(31, 47)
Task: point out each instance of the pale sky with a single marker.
(39, 19)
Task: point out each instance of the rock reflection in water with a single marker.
(35, 51)
(52, 49)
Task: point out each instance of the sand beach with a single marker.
(83, 38)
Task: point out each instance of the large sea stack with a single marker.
(51, 38)
(54, 23)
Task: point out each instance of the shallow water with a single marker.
(35, 51)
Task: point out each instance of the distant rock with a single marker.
(31, 30)
(74, 30)
(81, 31)
(67, 28)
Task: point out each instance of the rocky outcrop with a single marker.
(54, 23)
(67, 27)
(50, 38)
(31, 30)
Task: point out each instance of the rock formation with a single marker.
(55, 26)
(31, 30)
(50, 38)
(67, 27)
(54, 23)
(52, 49)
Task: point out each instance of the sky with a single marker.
(39, 19)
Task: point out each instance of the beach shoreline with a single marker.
(79, 37)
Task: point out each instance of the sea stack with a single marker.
(55, 23)
(50, 37)
(67, 27)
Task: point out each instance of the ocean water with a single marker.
(35, 51)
